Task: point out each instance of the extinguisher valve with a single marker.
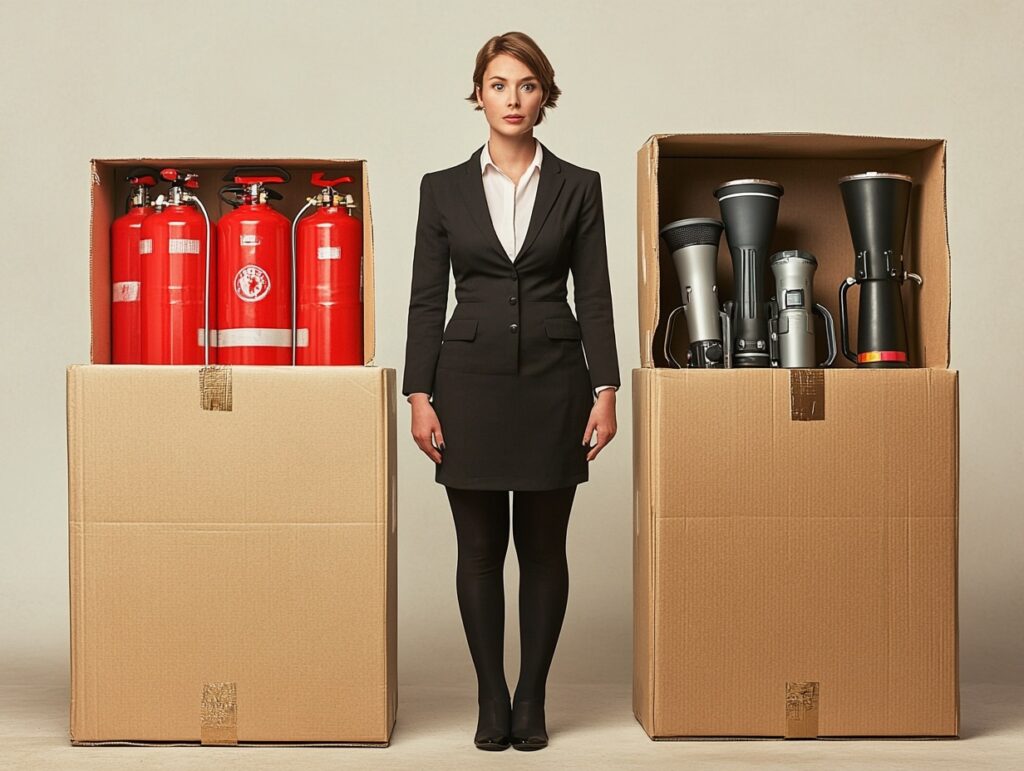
(141, 179)
(181, 182)
(328, 196)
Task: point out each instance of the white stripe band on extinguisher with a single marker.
(125, 292)
(146, 246)
(255, 337)
(183, 245)
(328, 253)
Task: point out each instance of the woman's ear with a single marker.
(479, 101)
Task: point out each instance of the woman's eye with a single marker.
(529, 86)
(498, 86)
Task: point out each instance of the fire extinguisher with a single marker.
(254, 271)
(126, 269)
(328, 247)
(177, 252)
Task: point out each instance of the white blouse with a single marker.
(511, 205)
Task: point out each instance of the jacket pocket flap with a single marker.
(562, 329)
(460, 329)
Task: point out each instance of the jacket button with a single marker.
(512, 300)
(513, 328)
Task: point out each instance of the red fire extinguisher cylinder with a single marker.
(126, 270)
(176, 248)
(254, 271)
(329, 271)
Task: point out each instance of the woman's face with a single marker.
(511, 96)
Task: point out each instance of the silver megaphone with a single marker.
(792, 309)
(694, 246)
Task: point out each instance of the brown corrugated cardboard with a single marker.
(109, 190)
(249, 553)
(771, 550)
(795, 559)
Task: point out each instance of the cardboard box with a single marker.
(232, 536)
(795, 540)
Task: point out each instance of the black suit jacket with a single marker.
(509, 313)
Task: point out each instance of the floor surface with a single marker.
(590, 726)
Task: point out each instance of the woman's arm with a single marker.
(592, 289)
(428, 300)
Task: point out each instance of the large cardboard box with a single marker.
(232, 535)
(795, 540)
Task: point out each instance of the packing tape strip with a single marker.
(219, 714)
(802, 710)
(215, 388)
(807, 394)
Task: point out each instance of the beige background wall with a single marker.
(384, 81)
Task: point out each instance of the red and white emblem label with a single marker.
(252, 283)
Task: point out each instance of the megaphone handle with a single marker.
(774, 349)
(726, 314)
(830, 334)
(844, 320)
(668, 338)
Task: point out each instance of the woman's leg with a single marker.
(540, 520)
(482, 527)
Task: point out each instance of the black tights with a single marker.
(539, 523)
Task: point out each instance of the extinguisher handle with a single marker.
(234, 191)
(844, 320)
(272, 194)
(143, 175)
(253, 174)
(318, 180)
(181, 178)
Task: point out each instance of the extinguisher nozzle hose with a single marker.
(295, 279)
(206, 279)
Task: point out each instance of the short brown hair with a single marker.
(520, 46)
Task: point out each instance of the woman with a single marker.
(502, 397)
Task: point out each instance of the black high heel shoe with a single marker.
(492, 728)
(528, 731)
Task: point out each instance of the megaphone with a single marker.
(750, 209)
(793, 308)
(694, 246)
(877, 205)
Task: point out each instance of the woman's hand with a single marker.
(602, 420)
(426, 428)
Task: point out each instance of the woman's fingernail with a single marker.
(442, 445)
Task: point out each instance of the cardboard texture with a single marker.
(255, 548)
(795, 540)
(232, 531)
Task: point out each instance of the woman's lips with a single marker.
(514, 118)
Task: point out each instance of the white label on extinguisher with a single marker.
(255, 337)
(249, 239)
(328, 253)
(146, 246)
(252, 284)
(125, 292)
(183, 245)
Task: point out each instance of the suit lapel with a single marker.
(548, 188)
(476, 201)
(550, 185)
